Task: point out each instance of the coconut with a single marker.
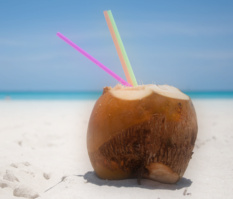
(147, 131)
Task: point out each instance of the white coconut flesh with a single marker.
(139, 92)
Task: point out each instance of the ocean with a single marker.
(96, 94)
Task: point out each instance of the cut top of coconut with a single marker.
(139, 92)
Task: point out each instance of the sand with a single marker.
(43, 154)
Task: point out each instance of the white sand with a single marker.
(43, 154)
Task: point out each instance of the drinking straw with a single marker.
(130, 71)
(93, 60)
(114, 38)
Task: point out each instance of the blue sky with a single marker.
(187, 44)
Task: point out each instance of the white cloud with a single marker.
(152, 28)
(31, 57)
(89, 35)
(212, 55)
(207, 55)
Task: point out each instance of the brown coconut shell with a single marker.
(151, 137)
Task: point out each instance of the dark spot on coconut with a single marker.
(169, 142)
(163, 120)
(179, 108)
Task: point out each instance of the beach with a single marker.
(43, 154)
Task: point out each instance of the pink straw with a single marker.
(93, 60)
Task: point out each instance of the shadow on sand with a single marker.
(91, 177)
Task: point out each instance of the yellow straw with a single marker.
(120, 48)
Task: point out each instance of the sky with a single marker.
(186, 44)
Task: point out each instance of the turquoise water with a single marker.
(210, 94)
(93, 95)
(50, 95)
